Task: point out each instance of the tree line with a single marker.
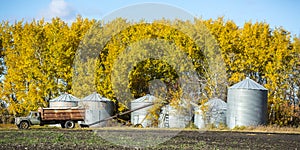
(40, 60)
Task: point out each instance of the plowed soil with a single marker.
(144, 139)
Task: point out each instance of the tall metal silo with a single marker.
(247, 104)
(140, 116)
(97, 108)
(171, 117)
(64, 101)
(214, 113)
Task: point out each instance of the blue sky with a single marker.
(277, 13)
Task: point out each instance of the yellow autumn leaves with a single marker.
(43, 59)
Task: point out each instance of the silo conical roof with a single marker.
(147, 98)
(248, 84)
(96, 97)
(216, 103)
(65, 98)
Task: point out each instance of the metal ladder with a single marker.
(167, 121)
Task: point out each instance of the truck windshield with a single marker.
(32, 115)
(29, 115)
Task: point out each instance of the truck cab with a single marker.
(33, 118)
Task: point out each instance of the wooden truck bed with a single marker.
(49, 114)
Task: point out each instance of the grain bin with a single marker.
(141, 116)
(214, 113)
(247, 104)
(97, 108)
(64, 101)
(171, 117)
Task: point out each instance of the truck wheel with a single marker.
(24, 125)
(70, 124)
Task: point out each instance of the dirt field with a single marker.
(53, 138)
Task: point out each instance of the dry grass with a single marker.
(271, 129)
(264, 129)
(7, 126)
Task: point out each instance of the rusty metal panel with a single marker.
(62, 114)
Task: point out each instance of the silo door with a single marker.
(135, 119)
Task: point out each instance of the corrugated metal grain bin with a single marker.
(247, 104)
(64, 101)
(215, 113)
(97, 108)
(171, 117)
(140, 116)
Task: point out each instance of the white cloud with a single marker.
(59, 8)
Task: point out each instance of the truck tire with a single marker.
(23, 125)
(138, 126)
(69, 124)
